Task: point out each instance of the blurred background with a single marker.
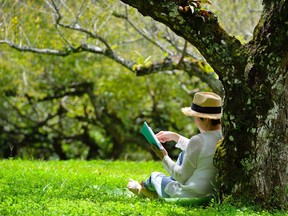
(88, 93)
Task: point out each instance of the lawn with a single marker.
(89, 188)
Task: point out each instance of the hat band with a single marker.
(208, 110)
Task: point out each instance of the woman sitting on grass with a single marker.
(193, 174)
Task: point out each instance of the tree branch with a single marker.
(190, 67)
(36, 50)
(171, 63)
(202, 31)
(142, 33)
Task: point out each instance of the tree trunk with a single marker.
(58, 149)
(255, 164)
(253, 161)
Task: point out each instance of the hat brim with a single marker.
(189, 112)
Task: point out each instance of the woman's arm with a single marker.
(185, 171)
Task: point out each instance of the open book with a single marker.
(150, 136)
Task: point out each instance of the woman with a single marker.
(193, 174)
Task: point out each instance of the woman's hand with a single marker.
(164, 136)
(161, 153)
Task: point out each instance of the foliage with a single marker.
(44, 104)
(89, 188)
(52, 107)
(238, 17)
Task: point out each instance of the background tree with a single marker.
(48, 114)
(50, 110)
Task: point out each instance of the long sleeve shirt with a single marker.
(196, 175)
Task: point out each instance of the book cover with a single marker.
(150, 136)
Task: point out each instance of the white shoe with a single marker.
(134, 186)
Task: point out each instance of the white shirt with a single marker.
(196, 175)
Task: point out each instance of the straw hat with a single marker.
(205, 105)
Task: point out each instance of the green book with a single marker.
(150, 136)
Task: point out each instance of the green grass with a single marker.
(88, 188)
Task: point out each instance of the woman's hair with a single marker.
(214, 122)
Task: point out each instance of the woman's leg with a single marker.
(157, 183)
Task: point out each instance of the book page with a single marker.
(150, 136)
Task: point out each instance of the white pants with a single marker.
(157, 181)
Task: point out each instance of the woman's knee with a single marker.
(156, 174)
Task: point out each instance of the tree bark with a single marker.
(256, 116)
(253, 161)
